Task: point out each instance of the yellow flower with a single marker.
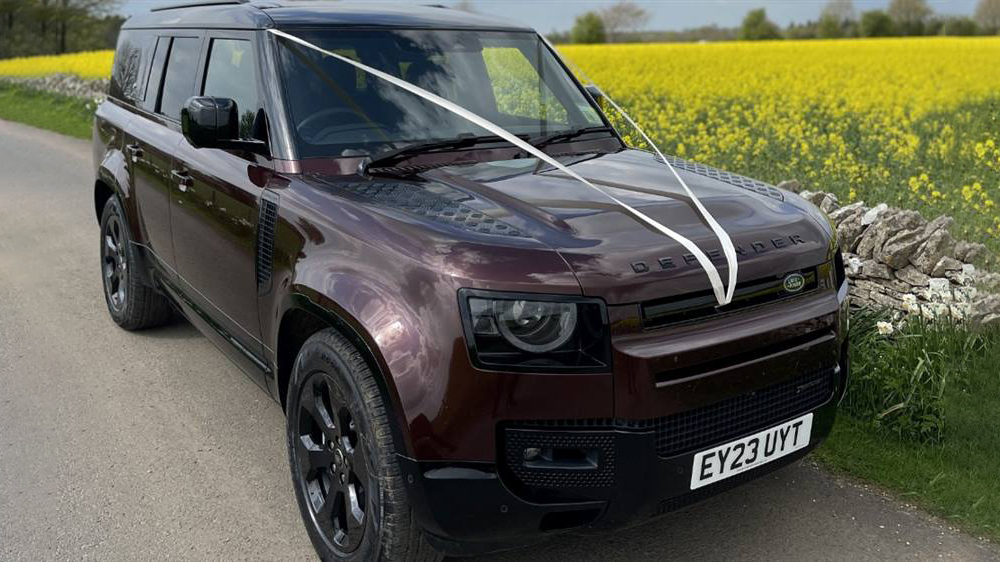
(94, 64)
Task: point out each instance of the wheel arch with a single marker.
(102, 192)
(113, 180)
(304, 317)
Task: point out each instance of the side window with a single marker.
(178, 81)
(155, 74)
(131, 68)
(231, 74)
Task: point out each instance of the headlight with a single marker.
(535, 333)
(533, 326)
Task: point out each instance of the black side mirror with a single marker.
(594, 92)
(209, 122)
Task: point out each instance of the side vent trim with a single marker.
(266, 223)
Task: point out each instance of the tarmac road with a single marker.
(152, 446)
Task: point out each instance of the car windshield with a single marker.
(511, 79)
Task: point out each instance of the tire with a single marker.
(132, 304)
(340, 447)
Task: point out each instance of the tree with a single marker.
(757, 27)
(70, 13)
(877, 23)
(624, 16)
(808, 30)
(830, 28)
(960, 26)
(910, 15)
(837, 19)
(37, 27)
(840, 11)
(988, 16)
(588, 28)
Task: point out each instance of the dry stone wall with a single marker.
(67, 85)
(899, 260)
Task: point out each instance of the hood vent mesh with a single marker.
(726, 177)
(418, 200)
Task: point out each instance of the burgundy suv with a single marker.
(474, 350)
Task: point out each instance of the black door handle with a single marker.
(183, 179)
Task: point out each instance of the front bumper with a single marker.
(642, 471)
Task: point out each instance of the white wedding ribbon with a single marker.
(727, 243)
(722, 295)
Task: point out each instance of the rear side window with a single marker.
(178, 80)
(155, 74)
(131, 69)
(232, 74)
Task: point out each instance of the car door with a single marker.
(214, 208)
(151, 139)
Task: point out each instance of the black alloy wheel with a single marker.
(132, 302)
(332, 461)
(114, 263)
(346, 475)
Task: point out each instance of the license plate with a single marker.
(750, 452)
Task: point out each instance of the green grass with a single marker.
(62, 114)
(958, 477)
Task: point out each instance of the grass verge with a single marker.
(62, 114)
(955, 476)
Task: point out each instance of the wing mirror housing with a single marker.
(209, 122)
(595, 92)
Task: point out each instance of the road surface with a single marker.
(152, 446)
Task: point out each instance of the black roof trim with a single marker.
(266, 14)
(198, 4)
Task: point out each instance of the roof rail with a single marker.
(198, 4)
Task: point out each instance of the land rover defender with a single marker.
(473, 349)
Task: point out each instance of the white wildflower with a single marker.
(885, 328)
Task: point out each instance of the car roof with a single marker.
(264, 14)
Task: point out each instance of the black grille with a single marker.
(717, 423)
(701, 428)
(266, 223)
(600, 476)
(696, 306)
(727, 177)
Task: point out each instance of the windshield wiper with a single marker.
(567, 135)
(389, 157)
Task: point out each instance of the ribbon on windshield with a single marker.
(723, 295)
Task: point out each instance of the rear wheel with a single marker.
(347, 481)
(132, 304)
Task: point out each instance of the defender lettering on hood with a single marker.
(686, 260)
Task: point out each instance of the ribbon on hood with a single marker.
(723, 294)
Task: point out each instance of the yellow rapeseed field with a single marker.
(913, 122)
(93, 64)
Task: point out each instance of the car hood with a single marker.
(616, 256)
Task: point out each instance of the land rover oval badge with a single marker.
(794, 282)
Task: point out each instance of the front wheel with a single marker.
(347, 481)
